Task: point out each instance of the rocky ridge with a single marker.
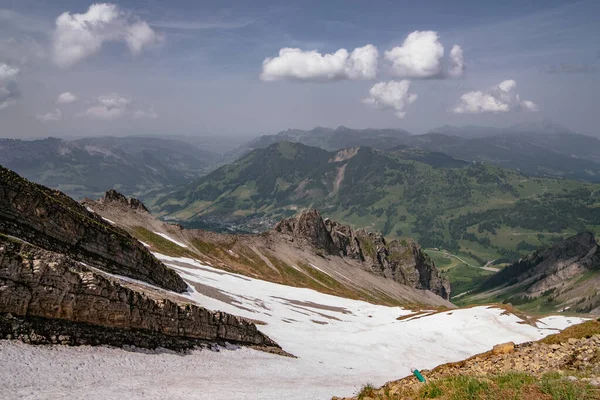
(53, 221)
(112, 196)
(400, 260)
(566, 275)
(271, 256)
(47, 297)
(69, 276)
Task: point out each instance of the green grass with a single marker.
(559, 388)
(161, 244)
(367, 390)
(507, 386)
(464, 278)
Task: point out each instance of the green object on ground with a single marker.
(418, 375)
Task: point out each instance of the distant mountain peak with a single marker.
(112, 196)
(546, 126)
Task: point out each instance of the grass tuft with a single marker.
(367, 390)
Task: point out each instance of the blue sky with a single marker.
(196, 68)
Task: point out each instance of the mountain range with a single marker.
(541, 149)
(89, 167)
(484, 212)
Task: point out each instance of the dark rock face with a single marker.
(402, 261)
(112, 196)
(548, 268)
(53, 221)
(310, 226)
(85, 307)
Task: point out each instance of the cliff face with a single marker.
(566, 276)
(115, 198)
(53, 221)
(36, 283)
(401, 261)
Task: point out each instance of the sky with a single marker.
(183, 67)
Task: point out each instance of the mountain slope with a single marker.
(67, 276)
(563, 277)
(305, 251)
(481, 212)
(89, 167)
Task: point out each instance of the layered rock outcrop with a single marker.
(75, 300)
(53, 221)
(402, 261)
(566, 275)
(115, 198)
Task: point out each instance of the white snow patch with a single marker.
(171, 239)
(359, 343)
(108, 220)
(99, 150)
(319, 269)
(90, 210)
(145, 244)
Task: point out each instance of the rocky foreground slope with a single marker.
(53, 221)
(564, 277)
(532, 370)
(303, 251)
(57, 261)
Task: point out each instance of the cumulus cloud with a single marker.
(7, 72)
(66, 98)
(78, 36)
(422, 56)
(498, 99)
(300, 65)
(114, 106)
(457, 62)
(50, 116)
(9, 90)
(108, 107)
(391, 95)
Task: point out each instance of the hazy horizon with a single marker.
(78, 69)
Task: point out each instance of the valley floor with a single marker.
(341, 344)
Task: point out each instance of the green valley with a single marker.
(480, 213)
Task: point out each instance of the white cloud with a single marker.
(50, 116)
(8, 72)
(9, 90)
(108, 107)
(420, 56)
(296, 64)
(66, 98)
(78, 36)
(457, 62)
(114, 106)
(498, 99)
(140, 35)
(391, 95)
